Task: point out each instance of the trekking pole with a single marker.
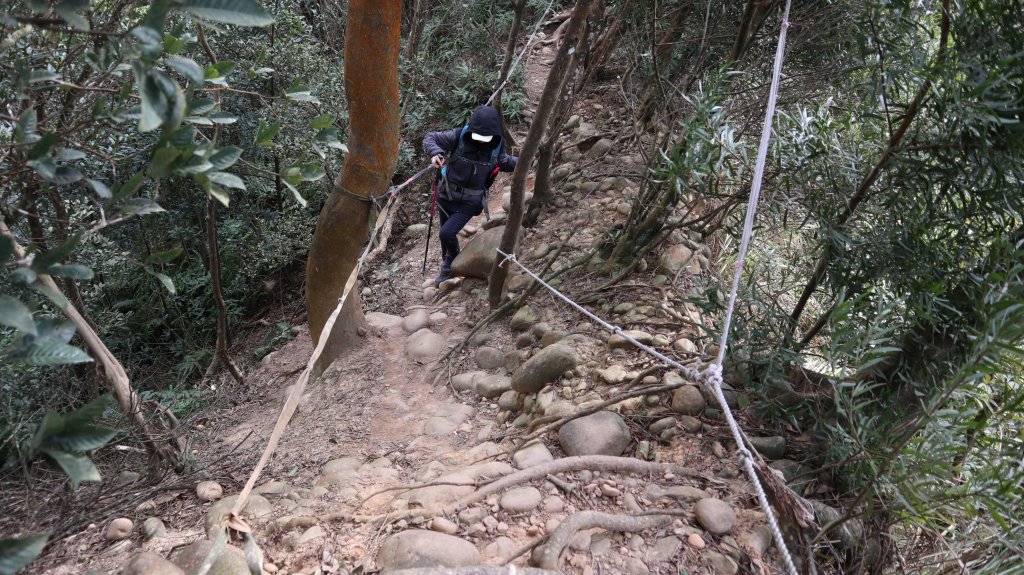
(430, 229)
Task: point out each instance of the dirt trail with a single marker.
(379, 419)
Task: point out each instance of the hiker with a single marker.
(476, 155)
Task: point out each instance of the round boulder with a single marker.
(688, 400)
(603, 433)
(424, 345)
(231, 560)
(544, 368)
(421, 548)
(149, 563)
(477, 257)
(521, 500)
(715, 515)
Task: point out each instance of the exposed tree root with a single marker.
(546, 557)
(564, 465)
(478, 570)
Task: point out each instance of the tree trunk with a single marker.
(372, 44)
(221, 355)
(518, 6)
(559, 68)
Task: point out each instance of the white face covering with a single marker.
(481, 137)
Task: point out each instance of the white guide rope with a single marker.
(712, 374)
(519, 57)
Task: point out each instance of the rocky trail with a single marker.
(410, 445)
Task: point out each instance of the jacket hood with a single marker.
(485, 121)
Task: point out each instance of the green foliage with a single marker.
(18, 552)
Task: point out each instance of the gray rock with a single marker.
(850, 534)
(521, 499)
(635, 566)
(523, 319)
(148, 563)
(467, 381)
(758, 541)
(616, 341)
(690, 423)
(721, 564)
(544, 368)
(731, 397)
(424, 345)
(383, 320)
(602, 433)
(553, 504)
(688, 400)
(796, 475)
(153, 528)
(472, 515)
(489, 358)
(415, 230)
(551, 337)
(478, 255)
(715, 515)
(440, 495)
(417, 319)
(438, 426)
(770, 447)
(231, 560)
(420, 548)
(126, 478)
(500, 548)
(258, 507)
(493, 386)
(600, 148)
(342, 464)
(533, 453)
(561, 172)
(666, 548)
(511, 400)
(120, 528)
(523, 340)
(662, 424)
(674, 259)
(442, 525)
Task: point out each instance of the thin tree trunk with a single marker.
(559, 68)
(372, 45)
(412, 47)
(869, 180)
(518, 6)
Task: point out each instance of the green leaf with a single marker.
(100, 188)
(77, 467)
(71, 271)
(151, 42)
(218, 193)
(42, 262)
(321, 122)
(15, 314)
(6, 250)
(88, 412)
(51, 424)
(53, 295)
(168, 283)
(141, 206)
(163, 101)
(237, 12)
(227, 180)
(56, 328)
(80, 438)
(195, 165)
(163, 257)
(156, 17)
(52, 352)
(225, 157)
(23, 276)
(42, 147)
(129, 188)
(295, 192)
(187, 68)
(160, 164)
(69, 155)
(265, 134)
(300, 93)
(223, 118)
(311, 172)
(17, 553)
(42, 76)
(201, 105)
(71, 12)
(25, 130)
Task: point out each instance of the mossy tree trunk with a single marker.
(372, 44)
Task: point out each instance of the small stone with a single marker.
(613, 374)
(662, 424)
(580, 541)
(523, 341)
(521, 499)
(153, 527)
(523, 319)
(665, 548)
(257, 507)
(722, 565)
(695, 541)
(118, 529)
(531, 454)
(472, 515)
(209, 491)
(684, 345)
(758, 541)
(126, 478)
(424, 345)
(493, 386)
(467, 381)
(602, 433)
(231, 560)
(510, 401)
(770, 447)
(553, 504)
(417, 548)
(149, 563)
(489, 357)
(715, 515)
(417, 319)
(674, 259)
(690, 423)
(688, 400)
(635, 566)
(617, 341)
(312, 534)
(443, 525)
(341, 465)
(544, 368)
(609, 491)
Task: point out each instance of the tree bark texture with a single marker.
(559, 68)
(372, 44)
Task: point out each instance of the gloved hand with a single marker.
(437, 161)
